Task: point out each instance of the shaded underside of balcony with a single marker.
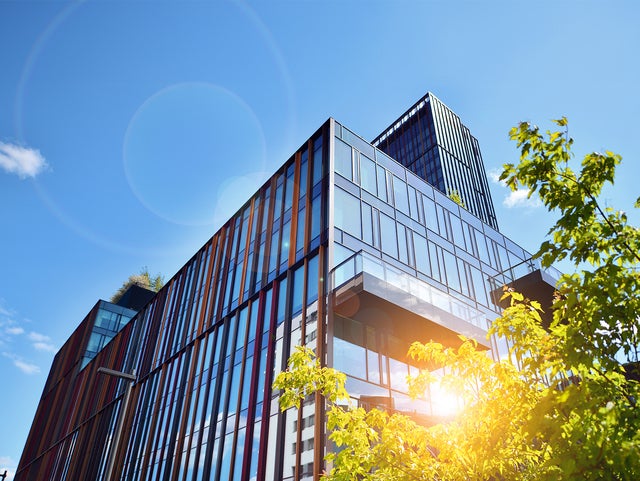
(537, 286)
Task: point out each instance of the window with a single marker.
(368, 174)
(347, 213)
(343, 159)
(421, 254)
(400, 195)
(381, 175)
(367, 226)
(388, 235)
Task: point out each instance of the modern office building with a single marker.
(342, 249)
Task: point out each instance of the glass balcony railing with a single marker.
(522, 269)
(363, 262)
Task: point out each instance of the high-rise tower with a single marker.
(430, 140)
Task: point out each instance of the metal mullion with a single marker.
(323, 352)
(266, 404)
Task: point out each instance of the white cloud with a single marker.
(494, 175)
(25, 367)
(520, 198)
(22, 161)
(14, 331)
(515, 198)
(44, 346)
(37, 337)
(41, 342)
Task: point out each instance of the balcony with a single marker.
(532, 280)
(369, 290)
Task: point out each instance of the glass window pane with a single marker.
(289, 185)
(453, 280)
(343, 159)
(388, 235)
(304, 167)
(413, 204)
(284, 243)
(400, 195)
(456, 228)
(434, 254)
(316, 216)
(479, 286)
(431, 219)
(421, 253)
(312, 279)
(368, 174)
(398, 372)
(464, 285)
(373, 367)
(382, 183)
(298, 288)
(300, 229)
(347, 213)
(317, 160)
(402, 244)
(367, 227)
(349, 358)
(282, 300)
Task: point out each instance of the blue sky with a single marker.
(130, 131)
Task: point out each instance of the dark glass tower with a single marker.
(430, 140)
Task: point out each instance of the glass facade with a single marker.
(110, 319)
(206, 349)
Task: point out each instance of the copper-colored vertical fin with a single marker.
(294, 211)
(184, 415)
(149, 451)
(246, 269)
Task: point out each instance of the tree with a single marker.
(143, 279)
(569, 411)
(455, 196)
